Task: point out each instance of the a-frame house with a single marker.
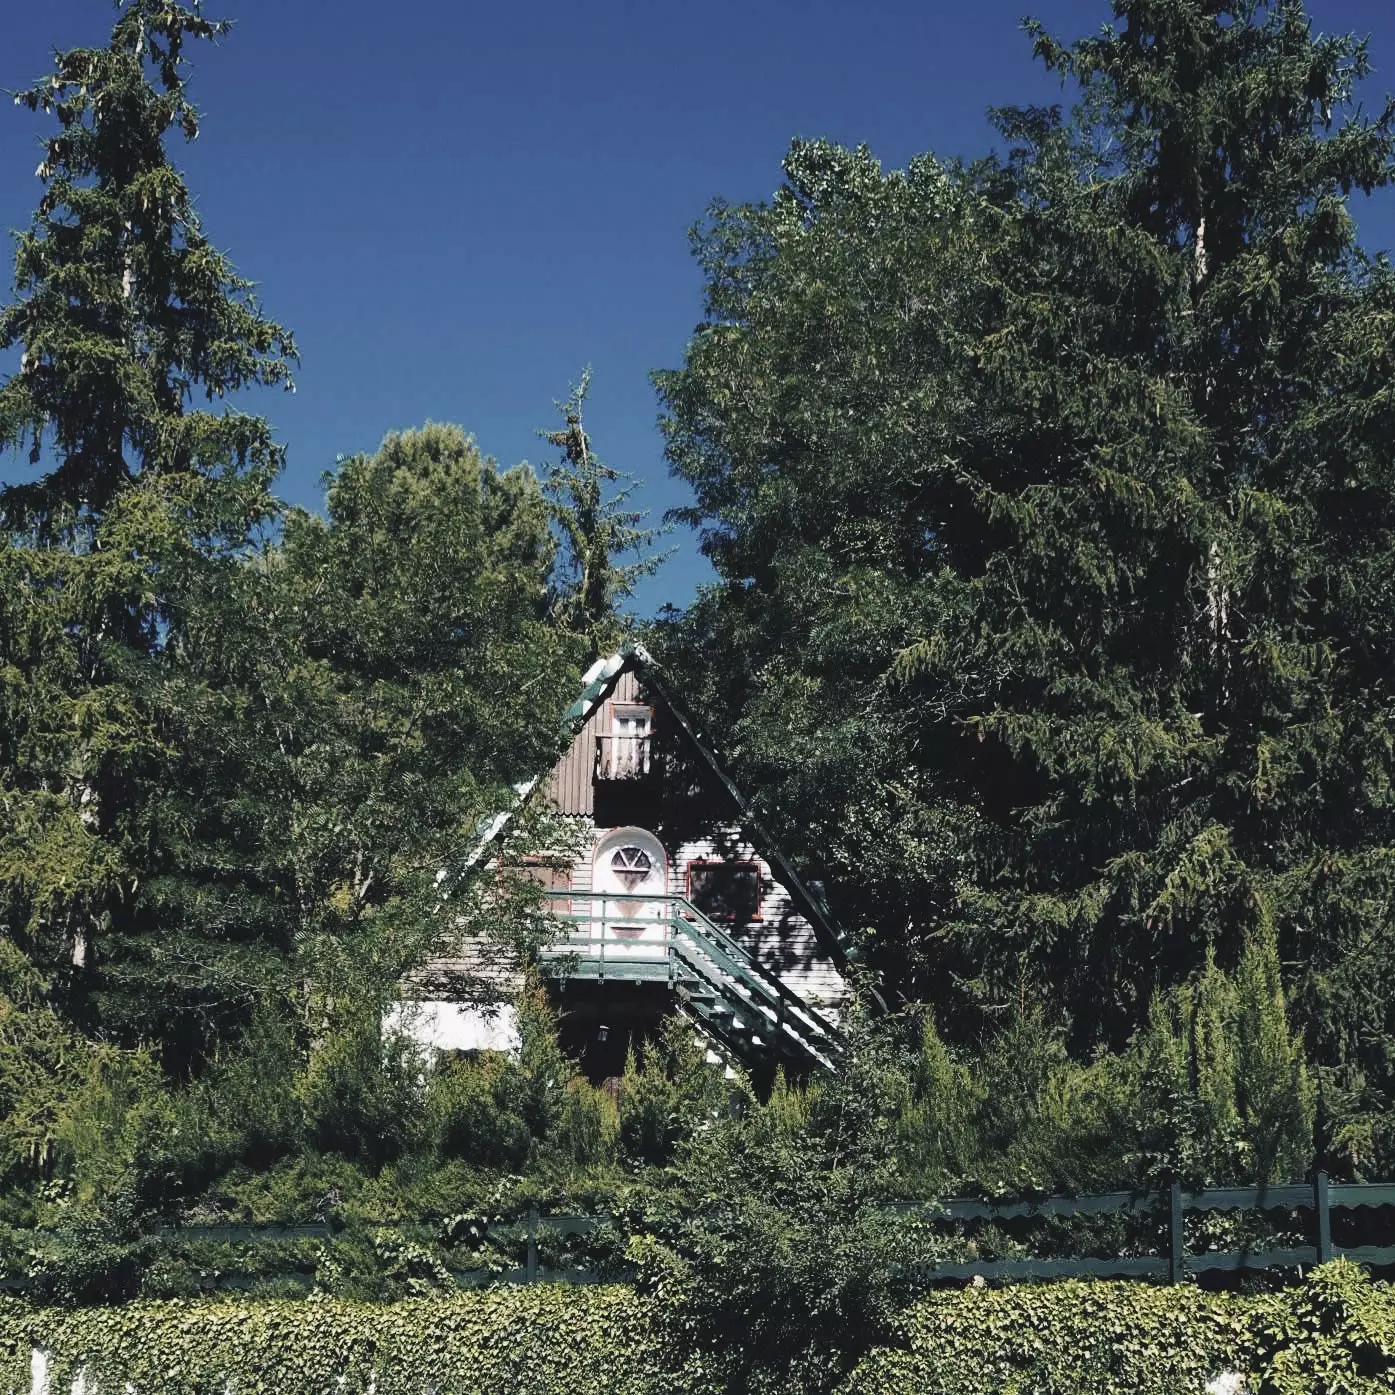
(677, 900)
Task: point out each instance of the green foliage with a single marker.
(540, 1339)
(1332, 1334)
(140, 511)
(1223, 1089)
(125, 309)
(588, 1127)
(592, 505)
(1054, 520)
(1214, 1089)
(41, 1071)
(231, 766)
(534, 1112)
(361, 1090)
(665, 1104)
(1065, 1339)
(1336, 1334)
(777, 1266)
(470, 1115)
(409, 673)
(1054, 527)
(253, 1090)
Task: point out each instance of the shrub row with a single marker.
(1334, 1333)
(547, 1340)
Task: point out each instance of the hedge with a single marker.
(543, 1339)
(1101, 1338)
(1334, 1334)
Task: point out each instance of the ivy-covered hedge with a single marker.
(1081, 1338)
(1333, 1333)
(544, 1339)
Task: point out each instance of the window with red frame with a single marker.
(554, 875)
(728, 892)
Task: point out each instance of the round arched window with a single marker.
(631, 865)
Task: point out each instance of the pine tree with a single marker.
(1274, 1093)
(126, 311)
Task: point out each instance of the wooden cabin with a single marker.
(673, 899)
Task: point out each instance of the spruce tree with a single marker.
(592, 510)
(126, 312)
(138, 506)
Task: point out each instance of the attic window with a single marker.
(622, 752)
(728, 892)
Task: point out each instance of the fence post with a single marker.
(531, 1271)
(1324, 1218)
(1176, 1233)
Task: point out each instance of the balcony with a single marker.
(665, 939)
(622, 756)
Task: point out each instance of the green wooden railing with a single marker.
(690, 949)
(1319, 1199)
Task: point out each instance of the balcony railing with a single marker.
(622, 757)
(665, 938)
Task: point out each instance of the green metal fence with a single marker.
(1318, 1200)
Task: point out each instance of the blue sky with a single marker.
(457, 206)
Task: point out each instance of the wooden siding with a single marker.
(782, 941)
(489, 970)
(571, 787)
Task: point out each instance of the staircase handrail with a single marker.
(693, 952)
(713, 938)
(688, 920)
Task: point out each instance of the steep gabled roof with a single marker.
(598, 682)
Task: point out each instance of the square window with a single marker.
(727, 892)
(622, 752)
(555, 877)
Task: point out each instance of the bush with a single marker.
(780, 1268)
(588, 1127)
(1335, 1334)
(362, 1092)
(663, 1103)
(1214, 1089)
(469, 1114)
(253, 1092)
(1060, 1339)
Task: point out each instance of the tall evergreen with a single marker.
(137, 506)
(1055, 526)
(592, 508)
(126, 313)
